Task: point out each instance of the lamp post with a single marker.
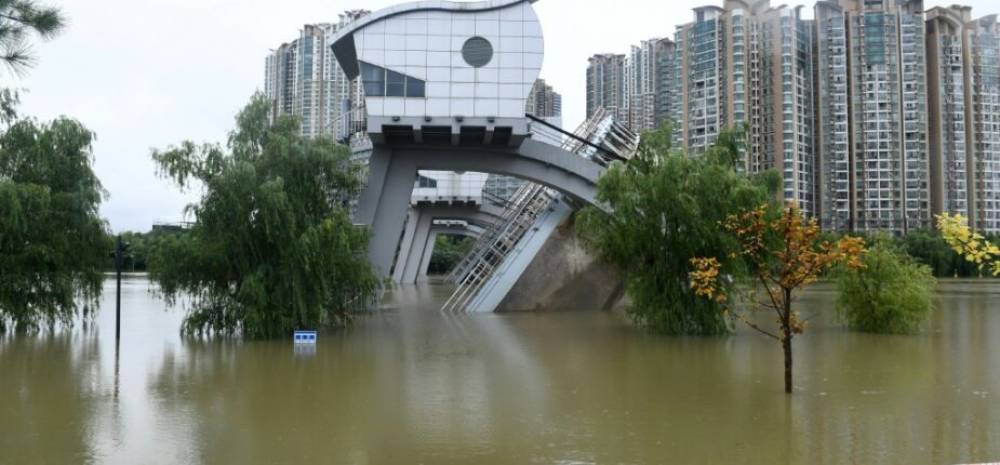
(119, 259)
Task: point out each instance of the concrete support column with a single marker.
(425, 264)
(383, 205)
(416, 255)
(412, 216)
(378, 167)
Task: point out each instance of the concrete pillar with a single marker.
(423, 229)
(382, 206)
(378, 166)
(425, 264)
(412, 216)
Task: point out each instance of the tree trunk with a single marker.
(786, 342)
(786, 345)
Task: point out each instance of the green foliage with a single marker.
(930, 248)
(53, 244)
(139, 246)
(272, 248)
(892, 293)
(448, 251)
(668, 208)
(18, 20)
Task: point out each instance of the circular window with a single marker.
(477, 52)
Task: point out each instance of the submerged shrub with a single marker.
(891, 294)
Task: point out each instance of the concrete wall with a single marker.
(564, 276)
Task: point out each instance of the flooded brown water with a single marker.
(410, 385)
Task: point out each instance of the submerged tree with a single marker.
(53, 244)
(969, 244)
(785, 256)
(892, 293)
(272, 248)
(667, 208)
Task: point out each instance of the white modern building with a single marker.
(424, 66)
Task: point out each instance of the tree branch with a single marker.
(755, 326)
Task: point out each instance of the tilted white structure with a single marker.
(446, 85)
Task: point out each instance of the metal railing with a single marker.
(599, 139)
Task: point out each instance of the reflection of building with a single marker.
(963, 88)
(303, 79)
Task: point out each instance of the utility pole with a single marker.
(119, 258)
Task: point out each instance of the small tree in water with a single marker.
(785, 256)
(892, 293)
(272, 248)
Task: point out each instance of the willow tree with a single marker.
(53, 244)
(272, 247)
(667, 209)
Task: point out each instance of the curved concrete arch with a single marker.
(393, 169)
(425, 263)
(533, 161)
(413, 256)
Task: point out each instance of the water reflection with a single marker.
(49, 395)
(412, 385)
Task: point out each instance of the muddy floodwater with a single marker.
(410, 385)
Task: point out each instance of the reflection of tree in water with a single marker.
(399, 389)
(256, 402)
(49, 393)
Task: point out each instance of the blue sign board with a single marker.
(305, 337)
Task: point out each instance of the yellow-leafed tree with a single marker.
(785, 256)
(969, 244)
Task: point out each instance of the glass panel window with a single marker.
(373, 78)
(395, 84)
(414, 87)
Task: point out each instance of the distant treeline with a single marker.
(139, 247)
(927, 247)
(930, 248)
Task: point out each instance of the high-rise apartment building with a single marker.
(883, 165)
(606, 85)
(750, 65)
(648, 76)
(700, 101)
(303, 79)
(543, 101)
(963, 88)
(666, 81)
(833, 141)
(875, 118)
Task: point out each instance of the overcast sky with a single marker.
(149, 73)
